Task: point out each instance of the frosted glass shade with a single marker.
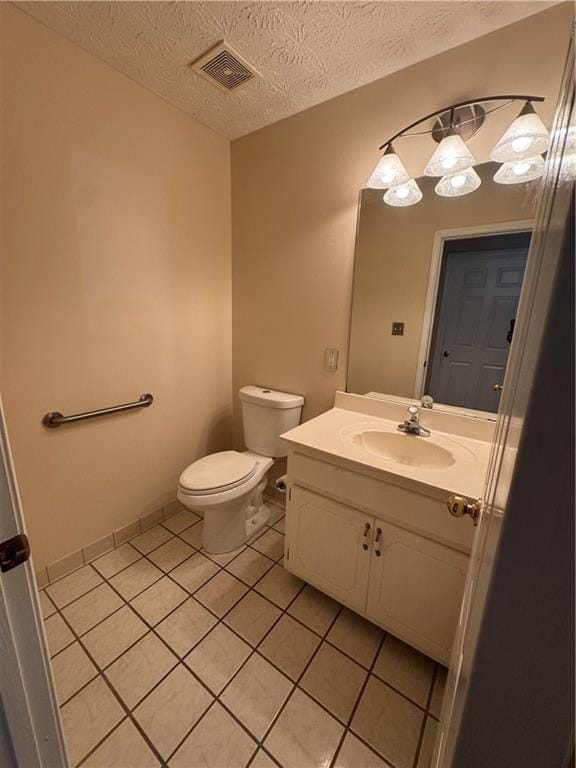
(460, 183)
(403, 194)
(389, 172)
(520, 170)
(526, 138)
(451, 155)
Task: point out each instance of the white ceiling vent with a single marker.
(224, 67)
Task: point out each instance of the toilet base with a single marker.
(255, 523)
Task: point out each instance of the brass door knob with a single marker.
(497, 387)
(459, 506)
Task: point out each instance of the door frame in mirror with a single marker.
(440, 237)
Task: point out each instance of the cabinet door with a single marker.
(416, 588)
(329, 545)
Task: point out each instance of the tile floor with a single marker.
(164, 655)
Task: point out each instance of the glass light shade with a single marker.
(520, 170)
(460, 183)
(526, 138)
(451, 155)
(389, 172)
(403, 194)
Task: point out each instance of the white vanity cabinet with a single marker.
(371, 545)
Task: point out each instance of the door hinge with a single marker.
(13, 552)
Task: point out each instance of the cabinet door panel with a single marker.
(416, 589)
(325, 544)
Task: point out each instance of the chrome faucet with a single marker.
(411, 425)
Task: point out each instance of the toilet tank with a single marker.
(266, 414)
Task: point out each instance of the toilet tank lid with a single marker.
(270, 398)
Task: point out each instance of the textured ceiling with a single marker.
(307, 52)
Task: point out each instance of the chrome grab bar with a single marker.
(55, 419)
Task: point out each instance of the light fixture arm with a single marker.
(452, 107)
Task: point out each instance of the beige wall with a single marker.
(392, 267)
(295, 190)
(116, 281)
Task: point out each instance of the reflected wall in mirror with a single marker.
(436, 289)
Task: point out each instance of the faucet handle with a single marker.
(413, 411)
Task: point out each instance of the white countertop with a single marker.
(327, 433)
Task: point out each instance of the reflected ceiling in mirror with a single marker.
(436, 288)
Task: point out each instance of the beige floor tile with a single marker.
(91, 608)
(136, 578)
(315, 609)
(194, 572)
(171, 554)
(277, 512)
(172, 709)
(151, 539)
(138, 670)
(124, 748)
(221, 593)
(180, 521)
(355, 754)
(356, 637)
(250, 566)
(271, 544)
(225, 557)
(262, 760)
(193, 535)
(280, 526)
(46, 605)
(304, 734)
(114, 635)
(186, 626)
(216, 742)
(217, 657)
(88, 717)
(438, 692)
(427, 748)
(289, 646)
(389, 723)
(334, 680)
(280, 586)
(58, 635)
(256, 694)
(109, 565)
(75, 585)
(72, 669)
(252, 617)
(159, 600)
(406, 669)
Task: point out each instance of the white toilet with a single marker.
(227, 487)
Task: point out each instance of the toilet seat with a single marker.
(217, 473)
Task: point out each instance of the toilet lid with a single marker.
(225, 469)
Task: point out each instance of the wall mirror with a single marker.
(436, 290)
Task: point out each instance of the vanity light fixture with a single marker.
(459, 183)
(520, 170)
(450, 156)
(403, 195)
(525, 138)
(519, 149)
(389, 171)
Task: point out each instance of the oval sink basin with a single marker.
(410, 450)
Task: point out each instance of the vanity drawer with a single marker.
(400, 506)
